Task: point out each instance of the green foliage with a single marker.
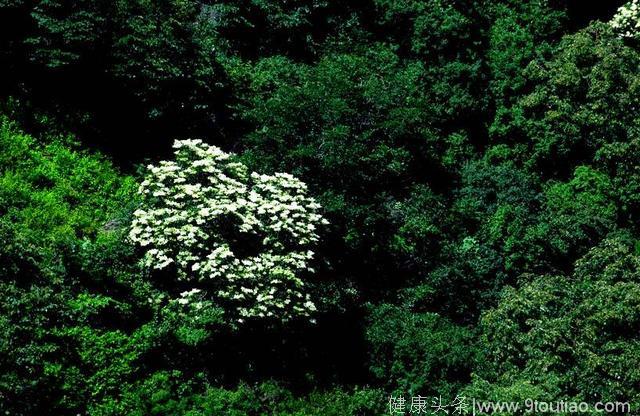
(55, 202)
(67, 30)
(30, 364)
(520, 33)
(566, 338)
(579, 212)
(447, 37)
(357, 128)
(57, 206)
(163, 394)
(416, 220)
(418, 353)
(477, 161)
(163, 54)
(580, 100)
(158, 60)
(618, 160)
(270, 27)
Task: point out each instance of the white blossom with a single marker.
(626, 21)
(197, 211)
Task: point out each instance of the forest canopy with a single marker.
(317, 207)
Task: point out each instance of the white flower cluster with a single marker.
(627, 20)
(201, 211)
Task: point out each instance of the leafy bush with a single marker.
(60, 211)
(555, 333)
(419, 353)
(163, 394)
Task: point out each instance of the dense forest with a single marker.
(318, 207)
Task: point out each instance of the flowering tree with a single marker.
(239, 238)
(627, 20)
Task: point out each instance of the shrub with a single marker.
(243, 238)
